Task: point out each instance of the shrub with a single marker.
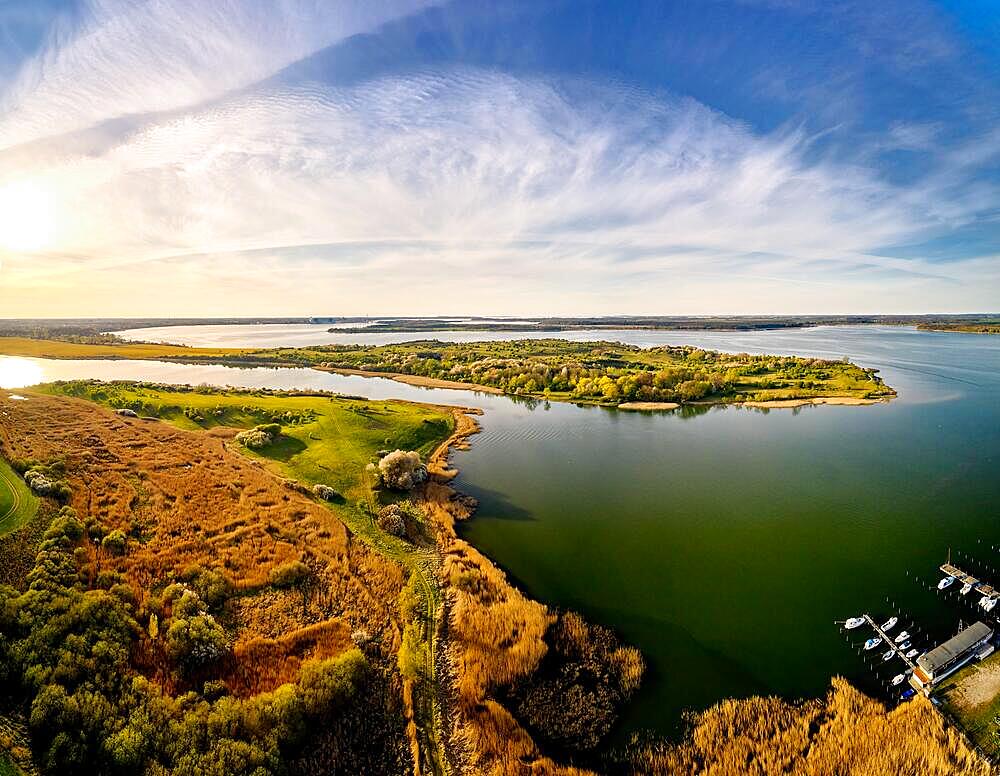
(402, 470)
(114, 543)
(195, 641)
(392, 519)
(259, 436)
(289, 574)
(325, 492)
(44, 484)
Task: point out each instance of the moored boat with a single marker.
(873, 642)
(946, 582)
(988, 606)
(854, 622)
(902, 637)
(965, 588)
(889, 624)
(906, 645)
(912, 653)
(898, 679)
(888, 655)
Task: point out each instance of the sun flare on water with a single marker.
(27, 222)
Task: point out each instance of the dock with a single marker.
(887, 639)
(967, 579)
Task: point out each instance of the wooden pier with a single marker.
(967, 579)
(887, 639)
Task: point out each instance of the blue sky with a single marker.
(525, 158)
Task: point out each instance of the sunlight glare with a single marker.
(18, 372)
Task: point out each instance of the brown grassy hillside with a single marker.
(184, 500)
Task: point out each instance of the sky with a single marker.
(531, 157)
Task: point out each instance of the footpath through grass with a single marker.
(17, 503)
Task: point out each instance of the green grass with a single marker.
(326, 440)
(17, 503)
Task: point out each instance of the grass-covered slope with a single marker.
(324, 439)
(17, 503)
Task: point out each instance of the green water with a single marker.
(723, 544)
(726, 544)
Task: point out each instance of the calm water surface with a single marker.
(724, 543)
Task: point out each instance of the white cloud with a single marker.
(443, 191)
(124, 57)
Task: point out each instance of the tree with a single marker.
(402, 470)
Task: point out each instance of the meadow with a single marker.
(324, 439)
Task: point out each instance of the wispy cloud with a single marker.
(119, 57)
(447, 189)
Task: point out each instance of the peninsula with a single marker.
(607, 373)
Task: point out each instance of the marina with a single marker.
(926, 670)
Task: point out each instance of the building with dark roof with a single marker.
(971, 643)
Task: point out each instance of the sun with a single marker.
(26, 217)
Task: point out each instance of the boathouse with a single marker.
(973, 643)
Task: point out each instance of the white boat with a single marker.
(888, 655)
(906, 645)
(965, 588)
(902, 637)
(898, 679)
(912, 653)
(889, 624)
(946, 582)
(984, 600)
(854, 622)
(873, 642)
(988, 606)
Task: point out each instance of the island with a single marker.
(606, 373)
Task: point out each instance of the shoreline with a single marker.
(647, 406)
(418, 380)
(844, 401)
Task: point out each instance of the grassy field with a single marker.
(38, 348)
(17, 504)
(324, 440)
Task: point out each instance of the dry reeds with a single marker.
(845, 734)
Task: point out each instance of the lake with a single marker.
(725, 542)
